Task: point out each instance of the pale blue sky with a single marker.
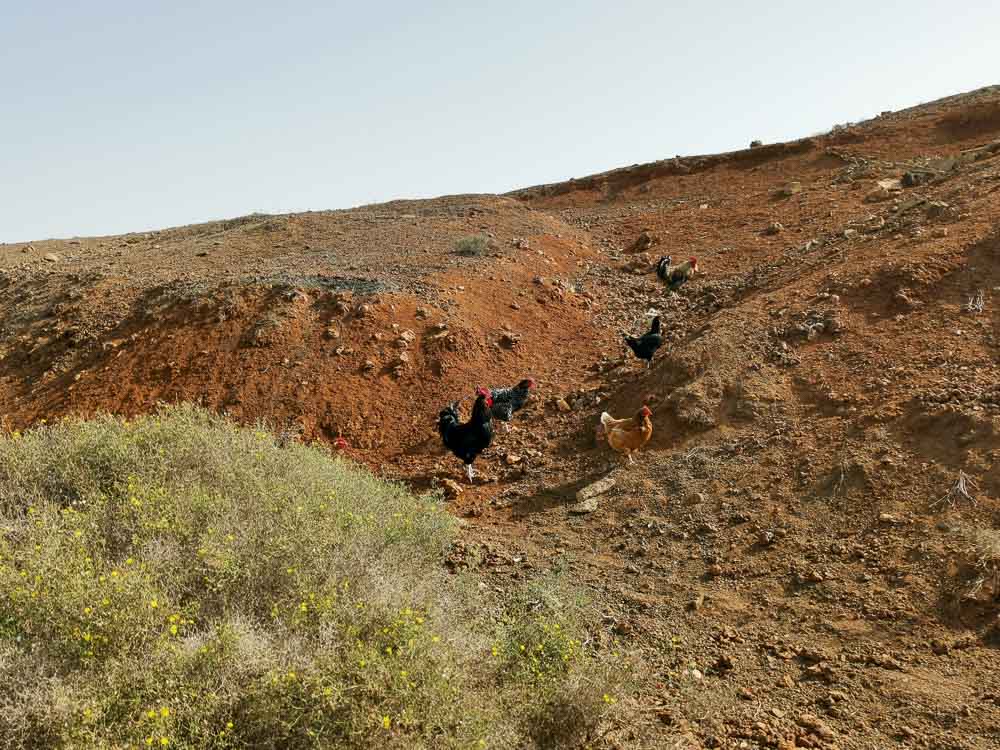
(125, 116)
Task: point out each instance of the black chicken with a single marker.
(470, 439)
(644, 347)
(506, 401)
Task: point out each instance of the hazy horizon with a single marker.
(124, 120)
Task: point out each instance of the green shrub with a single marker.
(177, 581)
(473, 245)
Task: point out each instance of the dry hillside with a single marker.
(806, 554)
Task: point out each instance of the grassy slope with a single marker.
(178, 581)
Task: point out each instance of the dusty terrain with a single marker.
(789, 562)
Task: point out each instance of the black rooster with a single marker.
(506, 401)
(644, 347)
(470, 439)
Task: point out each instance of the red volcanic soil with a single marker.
(790, 562)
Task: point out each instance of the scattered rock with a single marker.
(915, 179)
(563, 405)
(642, 243)
(792, 188)
(597, 488)
(816, 726)
(756, 144)
(508, 340)
(51, 257)
(940, 210)
(452, 489)
(775, 227)
(724, 664)
(586, 506)
(405, 338)
(877, 195)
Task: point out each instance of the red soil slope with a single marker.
(789, 562)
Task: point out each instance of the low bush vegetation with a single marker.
(177, 581)
(473, 245)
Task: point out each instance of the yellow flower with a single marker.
(386, 722)
(229, 725)
(173, 630)
(164, 712)
(164, 741)
(151, 714)
(153, 604)
(149, 740)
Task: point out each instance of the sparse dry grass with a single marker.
(177, 581)
(984, 552)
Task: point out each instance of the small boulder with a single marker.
(452, 489)
(599, 487)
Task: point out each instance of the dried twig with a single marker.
(958, 491)
(839, 486)
(976, 303)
